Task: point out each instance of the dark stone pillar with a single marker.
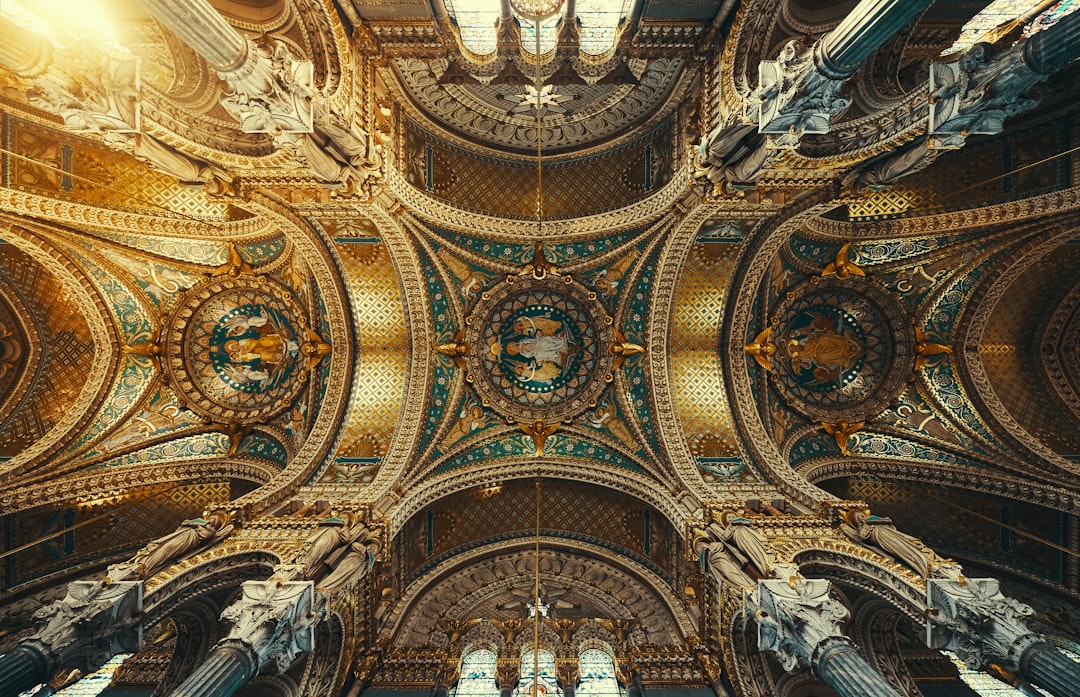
(228, 668)
(862, 32)
(842, 667)
(1048, 668)
(1048, 51)
(22, 668)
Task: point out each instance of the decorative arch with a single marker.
(473, 583)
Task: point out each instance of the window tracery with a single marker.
(545, 666)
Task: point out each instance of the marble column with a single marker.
(95, 621)
(268, 88)
(228, 668)
(271, 624)
(972, 618)
(200, 26)
(1043, 665)
(977, 93)
(873, 22)
(799, 92)
(20, 669)
(799, 623)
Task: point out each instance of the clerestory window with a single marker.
(1001, 13)
(477, 675)
(598, 21)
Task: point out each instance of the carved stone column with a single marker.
(972, 618)
(799, 623)
(799, 92)
(272, 623)
(93, 623)
(269, 89)
(974, 95)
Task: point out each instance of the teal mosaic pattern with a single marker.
(134, 377)
(444, 368)
(263, 446)
(521, 445)
(634, 330)
(162, 414)
(522, 253)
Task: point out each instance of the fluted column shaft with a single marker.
(228, 668)
(1048, 51)
(861, 33)
(1048, 668)
(202, 27)
(22, 668)
(840, 666)
(22, 51)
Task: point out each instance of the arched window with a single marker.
(477, 675)
(546, 681)
(476, 20)
(599, 21)
(597, 671)
(1000, 12)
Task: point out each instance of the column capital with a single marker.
(274, 621)
(795, 618)
(95, 621)
(972, 618)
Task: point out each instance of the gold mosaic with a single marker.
(67, 360)
(381, 370)
(697, 385)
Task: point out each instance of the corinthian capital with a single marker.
(795, 618)
(271, 91)
(972, 618)
(95, 621)
(274, 620)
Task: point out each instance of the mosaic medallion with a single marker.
(538, 348)
(235, 348)
(842, 348)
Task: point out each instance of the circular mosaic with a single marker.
(234, 348)
(538, 348)
(843, 349)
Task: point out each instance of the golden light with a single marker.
(65, 20)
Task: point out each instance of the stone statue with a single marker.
(741, 534)
(190, 536)
(871, 530)
(884, 170)
(337, 557)
(715, 556)
(733, 154)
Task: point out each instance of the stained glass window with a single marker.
(599, 22)
(1051, 16)
(549, 33)
(1000, 12)
(597, 671)
(477, 676)
(546, 664)
(476, 20)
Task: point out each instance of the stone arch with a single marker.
(92, 382)
(475, 583)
